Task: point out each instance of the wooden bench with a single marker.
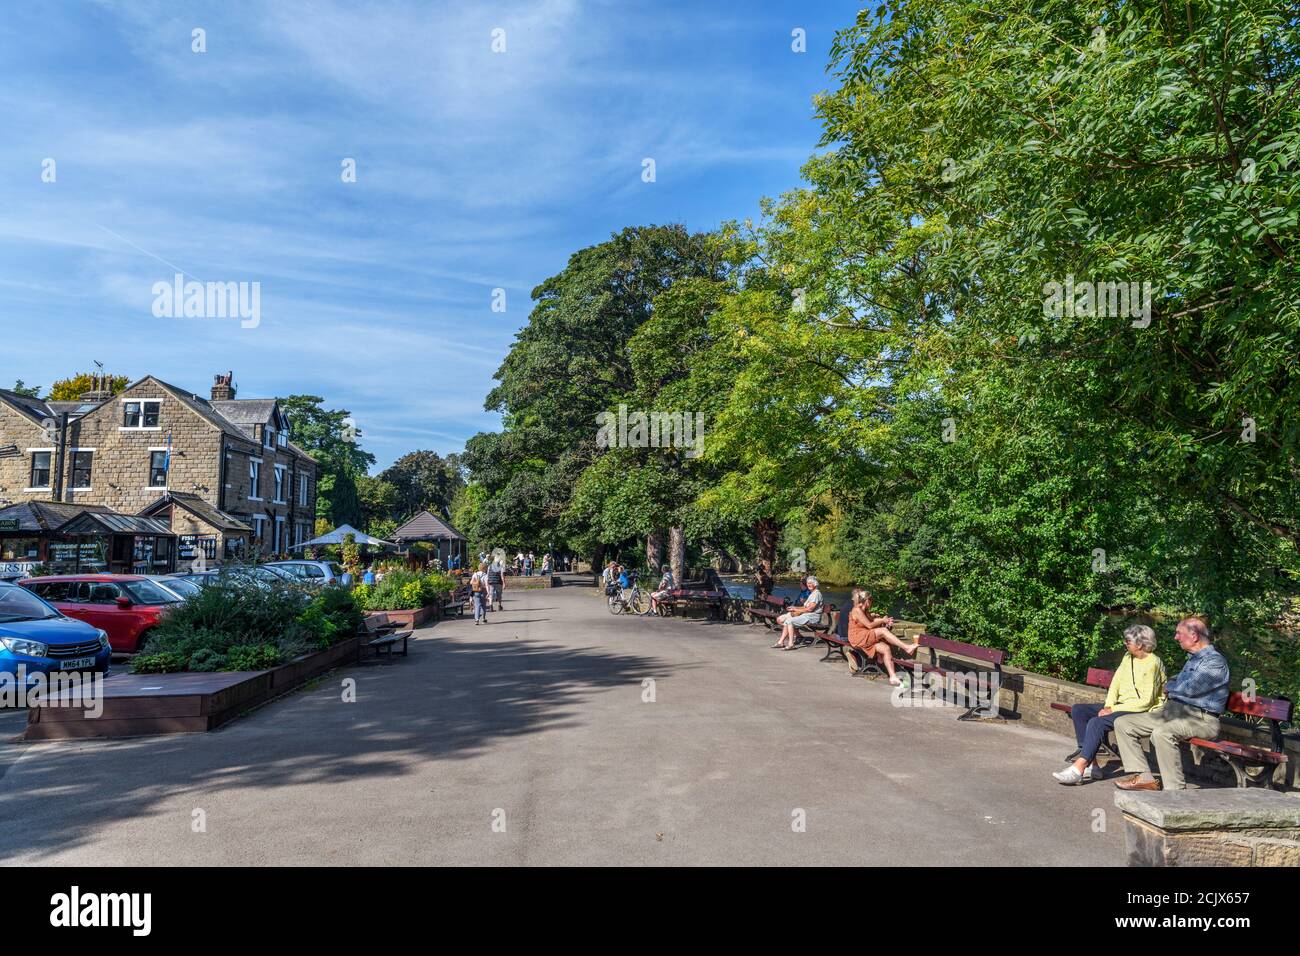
(383, 636)
(1097, 677)
(834, 634)
(766, 610)
(988, 655)
(689, 597)
(386, 645)
(457, 601)
(1242, 757)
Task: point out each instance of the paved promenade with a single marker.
(527, 741)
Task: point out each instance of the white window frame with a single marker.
(73, 472)
(280, 537)
(254, 479)
(302, 490)
(150, 450)
(142, 402)
(278, 490)
(37, 451)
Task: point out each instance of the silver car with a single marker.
(318, 573)
(182, 587)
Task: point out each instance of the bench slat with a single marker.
(989, 654)
(1240, 750)
(1266, 707)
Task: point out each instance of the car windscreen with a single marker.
(181, 586)
(146, 592)
(19, 604)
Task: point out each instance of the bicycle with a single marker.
(621, 599)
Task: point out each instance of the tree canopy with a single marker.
(1021, 353)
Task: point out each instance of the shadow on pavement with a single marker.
(449, 701)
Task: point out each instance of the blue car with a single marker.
(40, 640)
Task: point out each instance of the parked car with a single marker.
(313, 572)
(126, 606)
(180, 586)
(37, 638)
(263, 574)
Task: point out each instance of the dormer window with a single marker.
(141, 414)
(268, 436)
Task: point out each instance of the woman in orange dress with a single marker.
(872, 635)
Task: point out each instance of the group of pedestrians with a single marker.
(486, 586)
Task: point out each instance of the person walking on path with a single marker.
(1138, 687)
(496, 579)
(1196, 696)
(478, 588)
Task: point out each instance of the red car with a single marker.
(126, 606)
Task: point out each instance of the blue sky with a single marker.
(475, 170)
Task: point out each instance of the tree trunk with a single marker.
(765, 533)
(654, 549)
(598, 562)
(677, 552)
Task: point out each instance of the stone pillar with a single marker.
(1218, 827)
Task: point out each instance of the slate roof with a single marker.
(235, 417)
(110, 522)
(37, 516)
(28, 407)
(427, 526)
(199, 508)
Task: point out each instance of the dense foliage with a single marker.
(1022, 353)
(402, 591)
(244, 625)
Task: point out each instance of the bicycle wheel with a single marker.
(640, 601)
(616, 604)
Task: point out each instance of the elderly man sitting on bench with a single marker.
(800, 615)
(1196, 698)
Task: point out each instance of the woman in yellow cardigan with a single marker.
(1138, 686)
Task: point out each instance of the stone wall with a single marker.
(15, 473)
(1211, 828)
(120, 464)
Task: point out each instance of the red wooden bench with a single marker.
(987, 655)
(767, 609)
(689, 597)
(1241, 757)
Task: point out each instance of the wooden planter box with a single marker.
(410, 619)
(136, 705)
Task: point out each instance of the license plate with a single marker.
(80, 664)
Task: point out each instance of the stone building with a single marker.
(222, 471)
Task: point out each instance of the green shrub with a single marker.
(205, 659)
(159, 662)
(254, 657)
(229, 624)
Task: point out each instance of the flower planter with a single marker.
(408, 618)
(137, 705)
